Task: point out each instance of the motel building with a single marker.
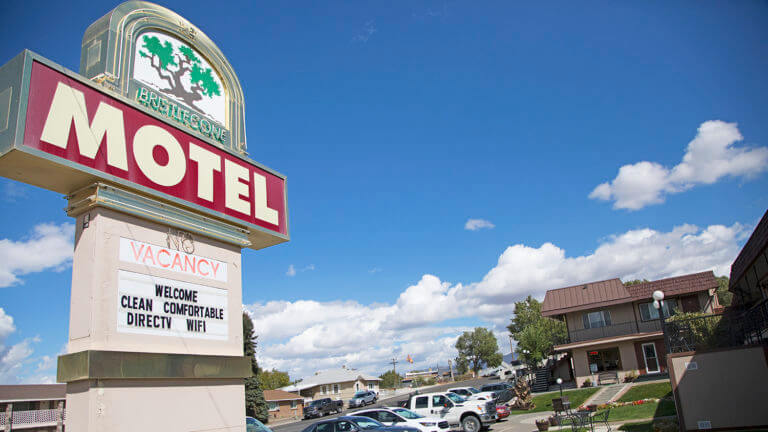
(337, 384)
(614, 329)
(32, 407)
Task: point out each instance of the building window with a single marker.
(371, 386)
(335, 389)
(648, 312)
(294, 404)
(604, 360)
(272, 406)
(596, 319)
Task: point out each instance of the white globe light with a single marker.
(658, 295)
(559, 380)
(656, 304)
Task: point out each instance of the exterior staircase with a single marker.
(541, 383)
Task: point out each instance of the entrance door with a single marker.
(651, 360)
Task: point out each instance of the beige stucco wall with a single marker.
(346, 390)
(619, 314)
(156, 405)
(94, 302)
(734, 382)
(626, 353)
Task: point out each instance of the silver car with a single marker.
(362, 398)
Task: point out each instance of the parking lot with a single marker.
(297, 426)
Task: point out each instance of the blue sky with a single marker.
(398, 122)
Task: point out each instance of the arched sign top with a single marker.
(150, 54)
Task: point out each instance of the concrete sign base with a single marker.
(155, 336)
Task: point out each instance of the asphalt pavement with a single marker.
(299, 425)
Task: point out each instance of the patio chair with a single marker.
(562, 408)
(601, 417)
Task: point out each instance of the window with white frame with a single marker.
(335, 389)
(294, 404)
(648, 312)
(596, 319)
(272, 406)
(371, 386)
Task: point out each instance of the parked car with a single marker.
(253, 425)
(397, 416)
(363, 398)
(355, 424)
(323, 407)
(472, 393)
(470, 415)
(502, 411)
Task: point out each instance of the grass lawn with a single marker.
(658, 390)
(648, 427)
(544, 402)
(630, 412)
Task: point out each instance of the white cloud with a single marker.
(15, 359)
(49, 246)
(292, 269)
(375, 270)
(478, 224)
(306, 335)
(709, 157)
(368, 30)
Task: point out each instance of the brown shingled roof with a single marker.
(280, 395)
(32, 392)
(675, 285)
(610, 292)
(756, 243)
(584, 296)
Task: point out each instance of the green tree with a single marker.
(161, 56)
(476, 348)
(636, 281)
(274, 379)
(724, 296)
(533, 332)
(390, 379)
(255, 405)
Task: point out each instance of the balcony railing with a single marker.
(34, 417)
(620, 329)
(701, 333)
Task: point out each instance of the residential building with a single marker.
(284, 405)
(339, 384)
(35, 407)
(613, 328)
(727, 351)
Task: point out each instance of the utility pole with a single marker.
(451, 369)
(397, 380)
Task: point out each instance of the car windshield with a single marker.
(407, 413)
(359, 394)
(456, 398)
(316, 403)
(473, 390)
(367, 423)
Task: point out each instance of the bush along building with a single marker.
(614, 330)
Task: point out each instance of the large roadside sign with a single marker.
(62, 132)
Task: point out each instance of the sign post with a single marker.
(148, 144)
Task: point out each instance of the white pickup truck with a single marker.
(469, 415)
(472, 393)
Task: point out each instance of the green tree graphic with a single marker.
(172, 66)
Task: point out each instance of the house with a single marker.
(35, 407)
(614, 329)
(339, 384)
(283, 405)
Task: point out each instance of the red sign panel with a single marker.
(75, 122)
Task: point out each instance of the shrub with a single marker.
(629, 377)
(587, 383)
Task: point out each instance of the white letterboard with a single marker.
(166, 307)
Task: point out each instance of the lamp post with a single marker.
(658, 303)
(560, 383)
(527, 362)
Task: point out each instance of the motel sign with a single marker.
(147, 140)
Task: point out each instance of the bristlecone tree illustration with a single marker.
(172, 66)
